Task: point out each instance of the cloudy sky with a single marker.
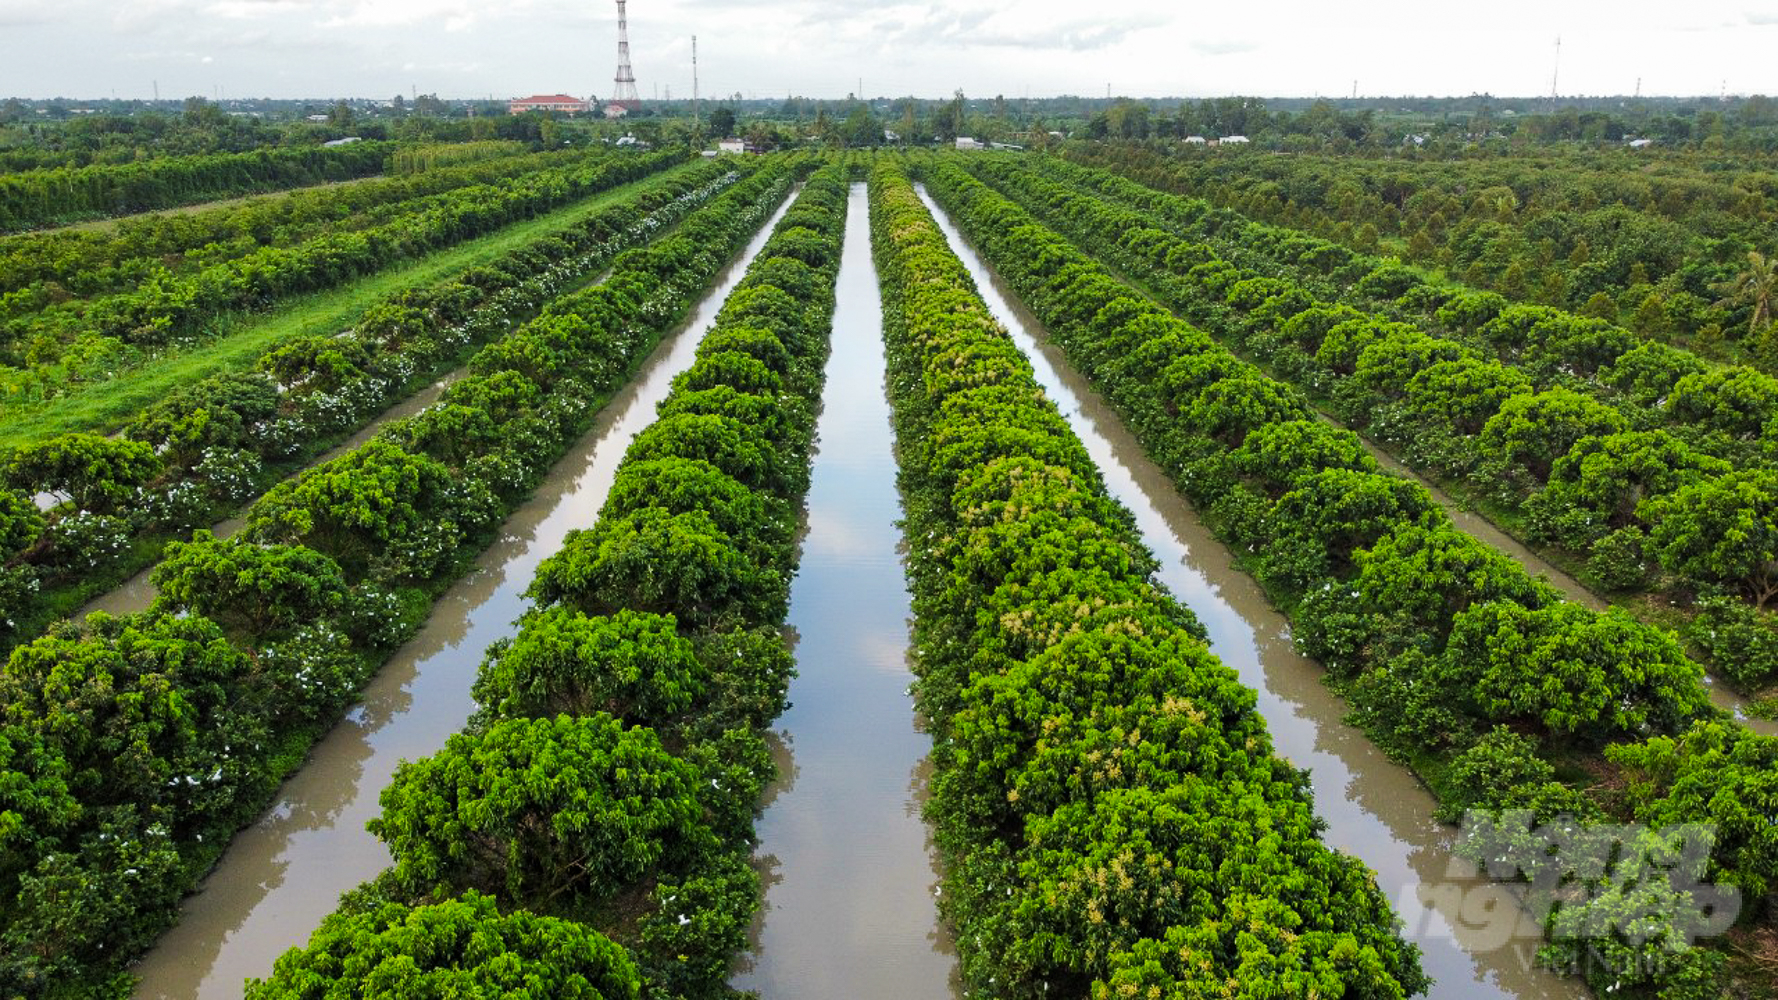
(821, 48)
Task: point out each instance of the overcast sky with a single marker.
(821, 48)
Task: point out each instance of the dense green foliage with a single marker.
(631, 665)
(60, 194)
(1587, 438)
(1110, 811)
(438, 155)
(1641, 238)
(612, 772)
(52, 342)
(88, 262)
(552, 812)
(215, 720)
(1437, 638)
(463, 947)
(129, 743)
(221, 440)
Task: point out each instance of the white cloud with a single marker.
(254, 9)
(926, 47)
(1222, 47)
(18, 13)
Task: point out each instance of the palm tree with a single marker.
(1756, 287)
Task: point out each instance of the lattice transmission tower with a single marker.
(624, 94)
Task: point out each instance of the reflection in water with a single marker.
(849, 869)
(136, 593)
(287, 871)
(1375, 809)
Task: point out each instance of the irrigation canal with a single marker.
(281, 875)
(849, 908)
(1472, 933)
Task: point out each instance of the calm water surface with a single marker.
(287, 871)
(849, 908)
(1469, 929)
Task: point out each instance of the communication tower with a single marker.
(1556, 73)
(624, 94)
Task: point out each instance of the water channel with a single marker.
(849, 905)
(1476, 942)
(137, 593)
(281, 875)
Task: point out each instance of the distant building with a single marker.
(734, 146)
(616, 111)
(347, 141)
(1641, 143)
(890, 135)
(549, 102)
(1234, 140)
(317, 118)
(965, 142)
(1196, 140)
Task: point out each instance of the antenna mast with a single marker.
(696, 107)
(1555, 73)
(624, 93)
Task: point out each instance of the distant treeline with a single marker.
(45, 197)
(419, 159)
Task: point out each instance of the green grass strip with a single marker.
(105, 406)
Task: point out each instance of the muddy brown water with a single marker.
(849, 869)
(1476, 942)
(283, 874)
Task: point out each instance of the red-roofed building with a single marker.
(550, 102)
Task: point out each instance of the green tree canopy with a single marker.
(722, 121)
(97, 473)
(1570, 671)
(376, 502)
(1720, 773)
(217, 412)
(1531, 432)
(635, 667)
(1721, 530)
(463, 947)
(543, 813)
(659, 562)
(249, 586)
